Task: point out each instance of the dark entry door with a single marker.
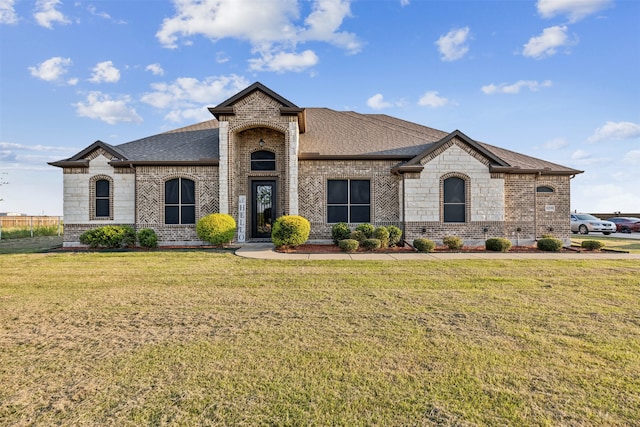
(263, 208)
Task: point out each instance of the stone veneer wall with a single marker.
(79, 207)
(313, 177)
(258, 116)
(150, 200)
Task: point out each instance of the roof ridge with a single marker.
(386, 124)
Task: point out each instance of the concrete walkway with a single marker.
(266, 251)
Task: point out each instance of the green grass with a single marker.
(611, 242)
(202, 338)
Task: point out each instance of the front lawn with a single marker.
(202, 338)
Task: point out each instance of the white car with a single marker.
(585, 223)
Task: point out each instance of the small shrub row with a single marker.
(118, 236)
(216, 228)
(386, 235)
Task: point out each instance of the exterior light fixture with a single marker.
(261, 143)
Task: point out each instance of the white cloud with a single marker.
(156, 69)
(270, 26)
(46, 13)
(377, 102)
(37, 147)
(282, 61)
(632, 158)
(574, 9)
(7, 12)
(580, 155)
(404, 3)
(615, 131)
(105, 72)
(100, 106)
(187, 93)
(555, 144)
(433, 100)
(453, 45)
(52, 69)
(547, 43)
(532, 85)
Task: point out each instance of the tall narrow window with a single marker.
(454, 199)
(263, 161)
(102, 199)
(179, 201)
(348, 200)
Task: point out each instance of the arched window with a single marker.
(179, 201)
(544, 189)
(454, 198)
(103, 198)
(263, 160)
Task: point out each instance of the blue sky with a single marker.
(555, 79)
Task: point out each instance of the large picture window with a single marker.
(102, 198)
(454, 192)
(348, 200)
(179, 201)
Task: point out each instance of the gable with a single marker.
(256, 91)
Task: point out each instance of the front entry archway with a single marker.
(263, 208)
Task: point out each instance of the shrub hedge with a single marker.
(290, 231)
(591, 245)
(148, 238)
(367, 229)
(371, 244)
(549, 244)
(340, 231)
(382, 234)
(348, 245)
(395, 235)
(217, 228)
(498, 244)
(424, 245)
(109, 236)
(454, 243)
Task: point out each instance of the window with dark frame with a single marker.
(544, 189)
(348, 200)
(179, 201)
(454, 205)
(263, 160)
(102, 198)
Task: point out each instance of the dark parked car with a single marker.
(626, 224)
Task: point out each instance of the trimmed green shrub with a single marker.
(498, 244)
(367, 229)
(592, 245)
(109, 236)
(348, 245)
(217, 228)
(454, 243)
(549, 244)
(340, 231)
(357, 235)
(382, 234)
(395, 235)
(371, 244)
(148, 238)
(290, 231)
(424, 245)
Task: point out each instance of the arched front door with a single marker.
(263, 208)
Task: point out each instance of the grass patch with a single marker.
(611, 243)
(199, 338)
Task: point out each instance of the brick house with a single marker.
(262, 156)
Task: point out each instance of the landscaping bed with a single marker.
(320, 248)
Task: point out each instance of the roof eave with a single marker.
(318, 156)
(133, 163)
(537, 171)
(70, 163)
